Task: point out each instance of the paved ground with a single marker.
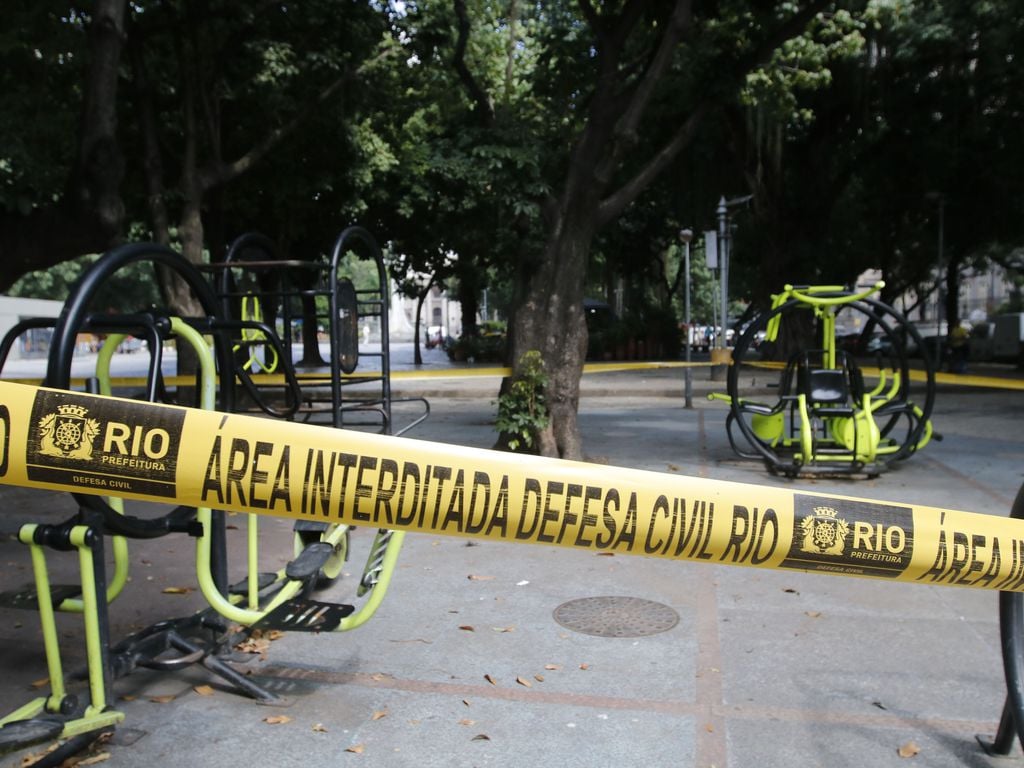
(465, 663)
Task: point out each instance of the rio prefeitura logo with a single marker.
(824, 532)
(847, 536)
(68, 432)
(118, 445)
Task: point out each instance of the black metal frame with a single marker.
(345, 352)
(1011, 634)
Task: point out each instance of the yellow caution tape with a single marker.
(1014, 382)
(111, 446)
(324, 376)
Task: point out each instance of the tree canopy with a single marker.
(549, 150)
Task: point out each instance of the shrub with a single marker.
(523, 410)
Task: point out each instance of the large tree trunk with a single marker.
(469, 296)
(550, 319)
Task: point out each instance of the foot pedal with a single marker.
(26, 733)
(263, 581)
(310, 561)
(27, 598)
(305, 616)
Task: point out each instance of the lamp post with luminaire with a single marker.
(686, 236)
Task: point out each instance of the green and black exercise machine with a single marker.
(282, 599)
(825, 417)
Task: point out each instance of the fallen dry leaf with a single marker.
(379, 714)
(524, 682)
(474, 577)
(813, 614)
(253, 645)
(467, 721)
(166, 699)
(504, 629)
(356, 749)
(552, 667)
(539, 678)
(277, 720)
(102, 757)
(203, 690)
(606, 554)
(466, 702)
(129, 697)
(490, 679)
(319, 728)
(467, 628)
(33, 757)
(481, 737)
(584, 665)
(910, 749)
(40, 682)
(176, 590)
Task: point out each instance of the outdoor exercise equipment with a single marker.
(226, 351)
(286, 301)
(826, 418)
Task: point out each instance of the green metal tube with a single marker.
(47, 619)
(90, 615)
(367, 609)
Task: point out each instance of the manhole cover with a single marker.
(616, 616)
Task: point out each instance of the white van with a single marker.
(1008, 338)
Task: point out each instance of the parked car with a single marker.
(1008, 338)
(435, 336)
(883, 344)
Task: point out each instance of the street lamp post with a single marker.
(725, 227)
(940, 300)
(723, 267)
(942, 256)
(686, 235)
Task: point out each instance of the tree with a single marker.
(452, 190)
(637, 57)
(232, 85)
(568, 113)
(909, 135)
(131, 285)
(56, 212)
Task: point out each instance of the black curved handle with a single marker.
(1011, 633)
(75, 312)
